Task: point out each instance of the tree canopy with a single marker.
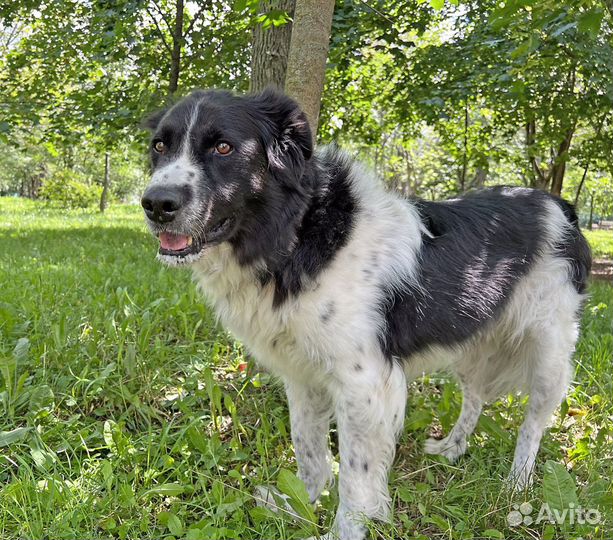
(438, 96)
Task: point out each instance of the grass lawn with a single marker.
(601, 242)
(125, 411)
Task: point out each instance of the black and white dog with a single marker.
(347, 291)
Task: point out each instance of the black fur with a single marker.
(575, 249)
(481, 245)
(322, 231)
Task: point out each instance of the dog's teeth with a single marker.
(189, 240)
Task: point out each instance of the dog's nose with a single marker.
(162, 204)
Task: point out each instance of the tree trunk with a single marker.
(480, 178)
(587, 163)
(558, 168)
(591, 221)
(271, 49)
(578, 194)
(539, 179)
(465, 157)
(107, 182)
(177, 43)
(308, 52)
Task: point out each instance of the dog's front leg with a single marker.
(310, 412)
(370, 413)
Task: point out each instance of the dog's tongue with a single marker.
(173, 242)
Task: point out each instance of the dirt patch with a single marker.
(602, 269)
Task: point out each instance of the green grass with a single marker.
(124, 411)
(601, 242)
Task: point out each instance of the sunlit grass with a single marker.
(601, 242)
(126, 413)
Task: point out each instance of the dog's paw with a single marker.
(519, 481)
(451, 449)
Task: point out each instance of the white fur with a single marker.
(333, 366)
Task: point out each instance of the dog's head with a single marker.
(223, 166)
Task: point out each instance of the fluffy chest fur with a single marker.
(336, 318)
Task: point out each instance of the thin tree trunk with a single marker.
(538, 177)
(271, 49)
(308, 52)
(559, 166)
(480, 178)
(465, 158)
(578, 194)
(587, 163)
(107, 182)
(177, 43)
(591, 221)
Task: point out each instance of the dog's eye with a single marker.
(160, 147)
(223, 148)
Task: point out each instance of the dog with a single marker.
(347, 291)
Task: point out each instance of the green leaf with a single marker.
(418, 419)
(590, 22)
(493, 428)
(42, 397)
(167, 490)
(175, 526)
(493, 533)
(9, 437)
(20, 352)
(437, 4)
(559, 489)
(289, 484)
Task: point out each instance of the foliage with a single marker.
(126, 412)
(523, 84)
(67, 189)
(438, 97)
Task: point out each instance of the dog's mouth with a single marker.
(180, 246)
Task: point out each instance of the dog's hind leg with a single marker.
(454, 445)
(549, 380)
(310, 414)
(370, 406)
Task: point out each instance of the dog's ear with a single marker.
(289, 141)
(152, 121)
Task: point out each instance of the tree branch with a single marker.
(164, 18)
(159, 31)
(198, 14)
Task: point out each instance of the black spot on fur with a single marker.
(358, 367)
(351, 463)
(328, 312)
(479, 247)
(365, 466)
